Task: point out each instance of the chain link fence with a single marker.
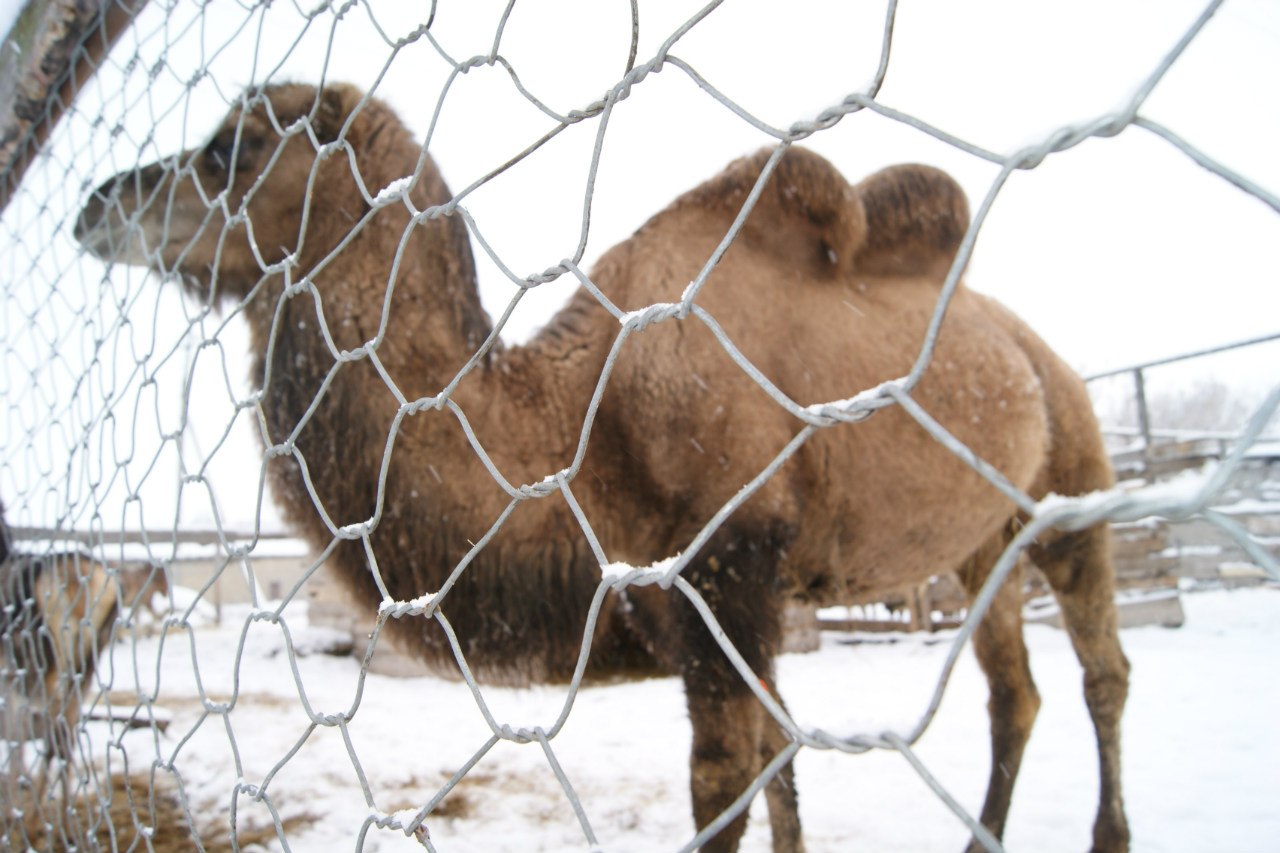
(128, 408)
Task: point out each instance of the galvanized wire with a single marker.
(90, 408)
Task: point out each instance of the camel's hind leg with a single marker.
(1078, 568)
(1002, 653)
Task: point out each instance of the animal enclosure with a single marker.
(237, 237)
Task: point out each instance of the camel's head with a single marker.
(218, 215)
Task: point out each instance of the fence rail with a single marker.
(1138, 372)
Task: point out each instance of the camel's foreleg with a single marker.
(732, 731)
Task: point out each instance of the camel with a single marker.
(361, 302)
(57, 613)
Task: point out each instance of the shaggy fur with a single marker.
(827, 290)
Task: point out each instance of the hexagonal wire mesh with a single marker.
(126, 409)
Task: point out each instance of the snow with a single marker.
(1200, 744)
(641, 319)
(1181, 493)
(1189, 551)
(615, 572)
(392, 191)
(413, 605)
(1250, 506)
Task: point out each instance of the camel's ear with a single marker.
(916, 217)
(334, 106)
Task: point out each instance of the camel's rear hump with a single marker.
(903, 220)
(916, 217)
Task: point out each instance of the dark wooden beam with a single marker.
(55, 46)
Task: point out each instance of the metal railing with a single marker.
(1144, 429)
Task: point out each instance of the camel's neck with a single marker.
(524, 405)
(406, 293)
(431, 496)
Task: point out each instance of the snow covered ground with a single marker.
(1201, 744)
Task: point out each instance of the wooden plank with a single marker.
(55, 46)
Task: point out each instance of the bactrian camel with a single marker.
(827, 289)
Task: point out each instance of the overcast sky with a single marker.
(1117, 251)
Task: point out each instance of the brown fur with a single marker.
(827, 290)
(56, 615)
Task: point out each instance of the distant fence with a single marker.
(1148, 435)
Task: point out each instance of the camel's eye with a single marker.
(224, 150)
(219, 154)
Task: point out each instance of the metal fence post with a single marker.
(1144, 417)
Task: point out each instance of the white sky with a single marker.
(1106, 249)
(1119, 250)
(9, 10)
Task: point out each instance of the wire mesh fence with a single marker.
(594, 489)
